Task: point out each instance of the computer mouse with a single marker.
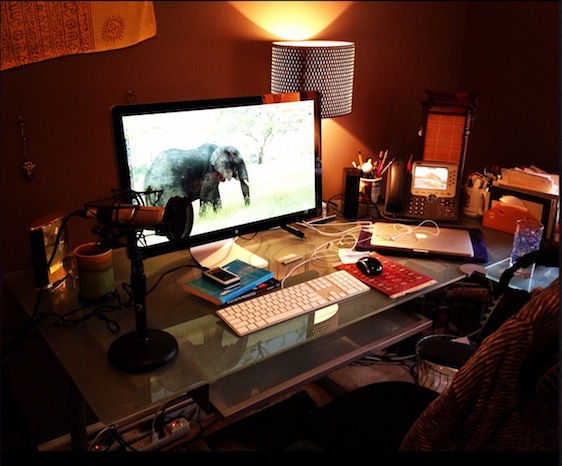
(369, 266)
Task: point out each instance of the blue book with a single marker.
(250, 277)
(262, 288)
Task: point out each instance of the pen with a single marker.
(360, 158)
(378, 164)
(386, 168)
(381, 164)
(409, 165)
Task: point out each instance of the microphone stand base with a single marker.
(132, 355)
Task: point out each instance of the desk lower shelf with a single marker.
(246, 390)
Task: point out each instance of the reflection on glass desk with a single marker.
(542, 277)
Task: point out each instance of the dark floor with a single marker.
(41, 411)
(269, 430)
(14, 435)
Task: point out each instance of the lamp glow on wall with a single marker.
(323, 66)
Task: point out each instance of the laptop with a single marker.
(421, 240)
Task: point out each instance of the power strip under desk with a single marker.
(172, 431)
(138, 434)
(137, 439)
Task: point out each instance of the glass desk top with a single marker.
(542, 277)
(208, 350)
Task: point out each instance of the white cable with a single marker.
(300, 264)
(400, 230)
(317, 227)
(432, 222)
(326, 252)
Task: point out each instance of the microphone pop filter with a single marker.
(178, 219)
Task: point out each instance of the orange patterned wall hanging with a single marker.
(31, 32)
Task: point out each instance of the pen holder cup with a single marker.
(371, 188)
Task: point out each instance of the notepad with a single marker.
(425, 240)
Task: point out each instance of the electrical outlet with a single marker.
(129, 437)
(107, 440)
(145, 444)
(172, 431)
(133, 435)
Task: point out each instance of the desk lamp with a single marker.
(144, 349)
(323, 66)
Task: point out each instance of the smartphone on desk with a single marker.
(222, 277)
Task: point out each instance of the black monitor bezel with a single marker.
(119, 111)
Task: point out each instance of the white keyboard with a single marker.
(285, 303)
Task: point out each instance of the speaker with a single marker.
(42, 239)
(351, 179)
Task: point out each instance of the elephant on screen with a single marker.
(196, 174)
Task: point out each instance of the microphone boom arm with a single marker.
(138, 286)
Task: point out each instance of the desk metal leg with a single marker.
(78, 431)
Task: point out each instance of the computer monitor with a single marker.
(247, 164)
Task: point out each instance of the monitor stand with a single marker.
(222, 252)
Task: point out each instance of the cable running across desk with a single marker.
(278, 306)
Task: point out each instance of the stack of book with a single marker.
(253, 282)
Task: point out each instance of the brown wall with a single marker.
(507, 52)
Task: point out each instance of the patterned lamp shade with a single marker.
(323, 66)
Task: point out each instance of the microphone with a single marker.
(173, 221)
